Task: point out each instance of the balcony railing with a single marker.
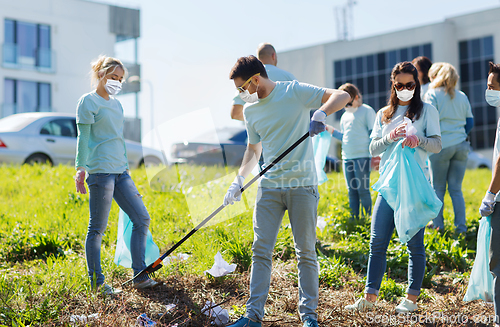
(7, 109)
(42, 59)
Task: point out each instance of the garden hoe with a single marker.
(158, 263)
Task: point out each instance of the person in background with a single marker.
(423, 64)
(277, 117)
(356, 125)
(456, 121)
(102, 154)
(488, 206)
(388, 129)
(267, 55)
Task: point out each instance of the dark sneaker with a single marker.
(148, 283)
(310, 323)
(245, 322)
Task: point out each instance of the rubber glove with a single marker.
(80, 181)
(398, 133)
(233, 189)
(317, 124)
(410, 141)
(488, 204)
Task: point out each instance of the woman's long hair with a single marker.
(444, 75)
(416, 104)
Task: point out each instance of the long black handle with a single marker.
(246, 186)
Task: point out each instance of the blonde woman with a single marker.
(456, 121)
(102, 154)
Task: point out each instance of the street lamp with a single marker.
(138, 79)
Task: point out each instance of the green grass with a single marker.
(43, 224)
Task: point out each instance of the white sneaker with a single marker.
(109, 290)
(361, 304)
(406, 306)
(148, 283)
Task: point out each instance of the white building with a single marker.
(47, 47)
(468, 42)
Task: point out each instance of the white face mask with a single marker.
(492, 97)
(113, 87)
(405, 95)
(249, 98)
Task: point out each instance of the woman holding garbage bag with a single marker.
(102, 154)
(389, 128)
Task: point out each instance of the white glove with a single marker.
(488, 204)
(233, 189)
(317, 124)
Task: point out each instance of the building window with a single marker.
(474, 56)
(25, 96)
(27, 46)
(371, 73)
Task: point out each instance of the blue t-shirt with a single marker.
(278, 121)
(355, 124)
(107, 152)
(452, 114)
(275, 74)
(427, 125)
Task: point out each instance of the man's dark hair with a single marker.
(424, 64)
(495, 69)
(246, 67)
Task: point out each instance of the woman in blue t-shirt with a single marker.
(456, 121)
(102, 154)
(389, 127)
(356, 125)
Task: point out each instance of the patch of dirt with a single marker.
(442, 307)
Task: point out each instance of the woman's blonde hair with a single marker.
(105, 65)
(443, 74)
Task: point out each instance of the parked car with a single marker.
(224, 147)
(476, 160)
(38, 137)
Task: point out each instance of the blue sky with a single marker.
(187, 48)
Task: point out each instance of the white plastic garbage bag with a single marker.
(220, 267)
(221, 315)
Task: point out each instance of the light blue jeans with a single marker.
(495, 259)
(448, 167)
(381, 233)
(103, 188)
(357, 177)
(270, 207)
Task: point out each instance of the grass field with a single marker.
(43, 281)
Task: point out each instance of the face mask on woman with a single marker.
(492, 97)
(113, 87)
(405, 95)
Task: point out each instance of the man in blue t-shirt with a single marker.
(489, 205)
(277, 117)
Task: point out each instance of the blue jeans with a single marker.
(495, 259)
(381, 232)
(270, 207)
(357, 177)
(103, 188)
(448, 167)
